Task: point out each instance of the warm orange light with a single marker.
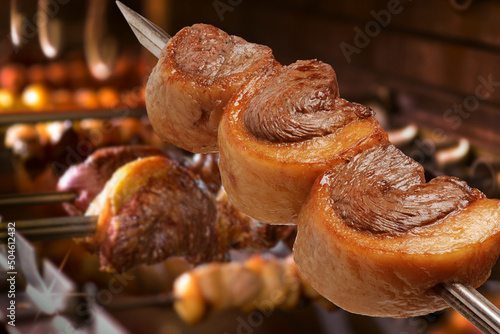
(35, 96)
(108, 97)
(6, 99)
(86, 98)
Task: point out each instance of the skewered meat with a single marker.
(278, 135)
(150, 210)
(154, 208)
(387, 238)
(373, 237)
(260, 283)
(197, 73)
(89, 178)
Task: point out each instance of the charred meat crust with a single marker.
(170, 216)
(299, 103)
(381, 190)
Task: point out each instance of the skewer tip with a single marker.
(120, 5)
(148, 34)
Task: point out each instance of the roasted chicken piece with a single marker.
(375, 238)
(278, 135)
(154, 208)
(197, 73)
(260, 283)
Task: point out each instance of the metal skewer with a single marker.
(473, 306)
(40, 198)
(51, 116)
(164, 300)
(52, 228)
(149, 34)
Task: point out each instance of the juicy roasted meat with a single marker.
(89, 178)
(151, 209)
(155, 208)
(279, 134)
(197, 73)
(312, 87)
(387, 238)
(389, 193)
(373, 237)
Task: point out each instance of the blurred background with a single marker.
(430, 70)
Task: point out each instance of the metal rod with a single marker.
(162, 300)
(61, 233)
(53, 222)
(149, 34)
(52, 228)
(40, 198)
(473, 306)
(51, 116)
